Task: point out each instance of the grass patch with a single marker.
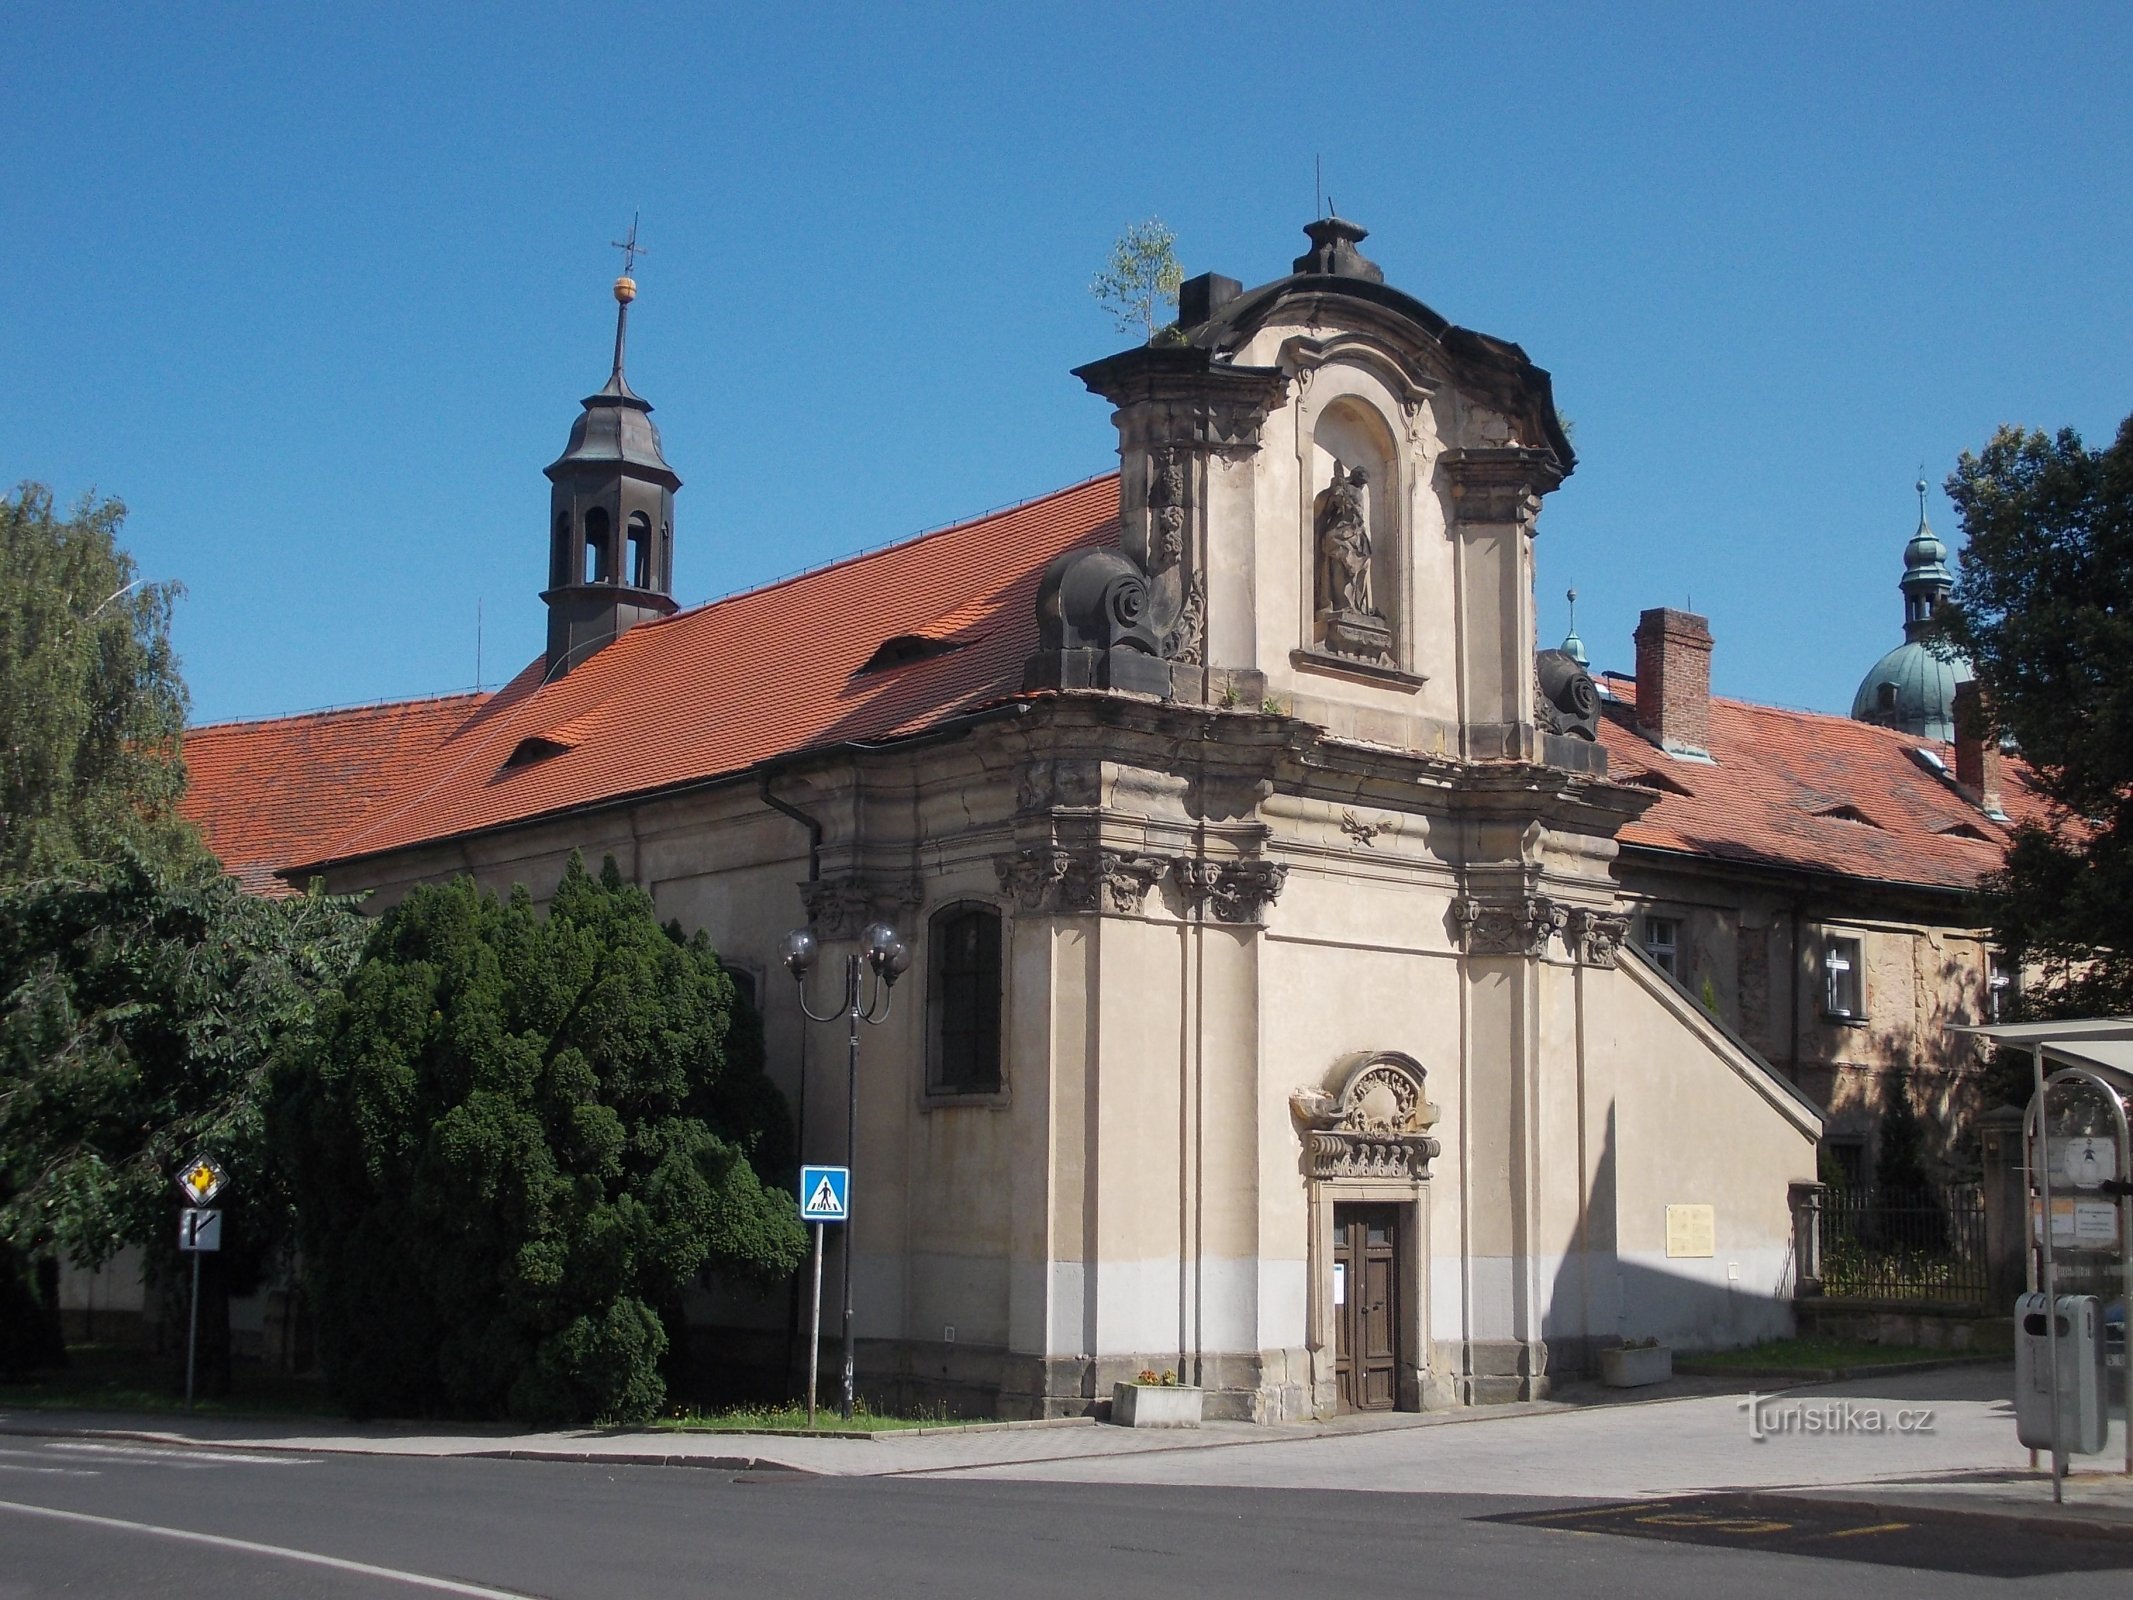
(104, 1377)
(1810, 1355)
(793, 1419)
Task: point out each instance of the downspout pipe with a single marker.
(811, 824)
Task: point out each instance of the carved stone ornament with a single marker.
(1063, 882)
(1520, 927)
(1233, 891)
(1166, 509)
(1349, 618)
(1364, 832)
(841, 908)
(1595, 937)
(1186, 641)
(1375, 1126)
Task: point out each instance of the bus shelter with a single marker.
(2078, 1151)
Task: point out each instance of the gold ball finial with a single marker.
(625, 290)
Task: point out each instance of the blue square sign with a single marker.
(825, 1194)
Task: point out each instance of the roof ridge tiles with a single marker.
(350, 709)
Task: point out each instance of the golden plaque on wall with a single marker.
(1691, 1230)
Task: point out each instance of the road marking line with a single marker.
(1545, 1517)
(418, 1580)
(53, 1472)
(149, 1452)
(1879, 1527)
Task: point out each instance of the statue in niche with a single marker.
(1351, 621)
(1166, 509)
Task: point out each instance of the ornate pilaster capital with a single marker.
(1519, 927)
(840, 908)
(1231, 891)
(1500, 485)
(1595, 937)
(1059, 881)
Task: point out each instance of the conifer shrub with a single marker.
(516, 1139)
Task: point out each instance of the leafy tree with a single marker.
(516, 1139)
(1141, 279)
(141, 1011)
(2044, 611)
(91, 704)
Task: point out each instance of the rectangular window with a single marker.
(1662, 942)
(2002, 984)
(964, 998)
(1843, 980)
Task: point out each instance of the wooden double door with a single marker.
(1366, 1306)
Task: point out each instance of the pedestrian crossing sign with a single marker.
(825, 1194)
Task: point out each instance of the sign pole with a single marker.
(192, 1333)
(2043, 1157)
(851, 1161)
(814, 1332)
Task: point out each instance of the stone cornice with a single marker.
(1500, 485)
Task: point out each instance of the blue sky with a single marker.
(315, 290)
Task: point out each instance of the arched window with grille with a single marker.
(963, 980)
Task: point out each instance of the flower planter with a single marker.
(1632, 1367)
(1148, 1405)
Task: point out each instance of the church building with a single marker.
(1287, 1005)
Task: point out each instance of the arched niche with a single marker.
(1346, 432)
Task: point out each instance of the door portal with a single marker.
(1366, 1306)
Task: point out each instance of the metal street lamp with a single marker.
(888, 958)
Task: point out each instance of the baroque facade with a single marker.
(1275, 1014)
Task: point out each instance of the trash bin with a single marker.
(2083, 1383)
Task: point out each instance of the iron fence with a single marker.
(1915, 1242)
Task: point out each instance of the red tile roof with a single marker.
(724, 686)
(1803, 790)
(266, 793)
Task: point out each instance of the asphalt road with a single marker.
(131, 1520)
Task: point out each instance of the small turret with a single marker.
(1912, 688)
(610, 515)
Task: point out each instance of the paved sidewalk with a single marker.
(1926, 1443)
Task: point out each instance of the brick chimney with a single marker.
(1674, 681)
(1978, 761)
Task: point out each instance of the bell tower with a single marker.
(610, 513)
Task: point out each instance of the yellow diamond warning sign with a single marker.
(202, 1179)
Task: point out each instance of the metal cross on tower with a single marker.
(630, 248)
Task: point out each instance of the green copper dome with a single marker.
(1911, 688)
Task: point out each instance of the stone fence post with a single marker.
(2005, 1189)
(1807, 1240)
